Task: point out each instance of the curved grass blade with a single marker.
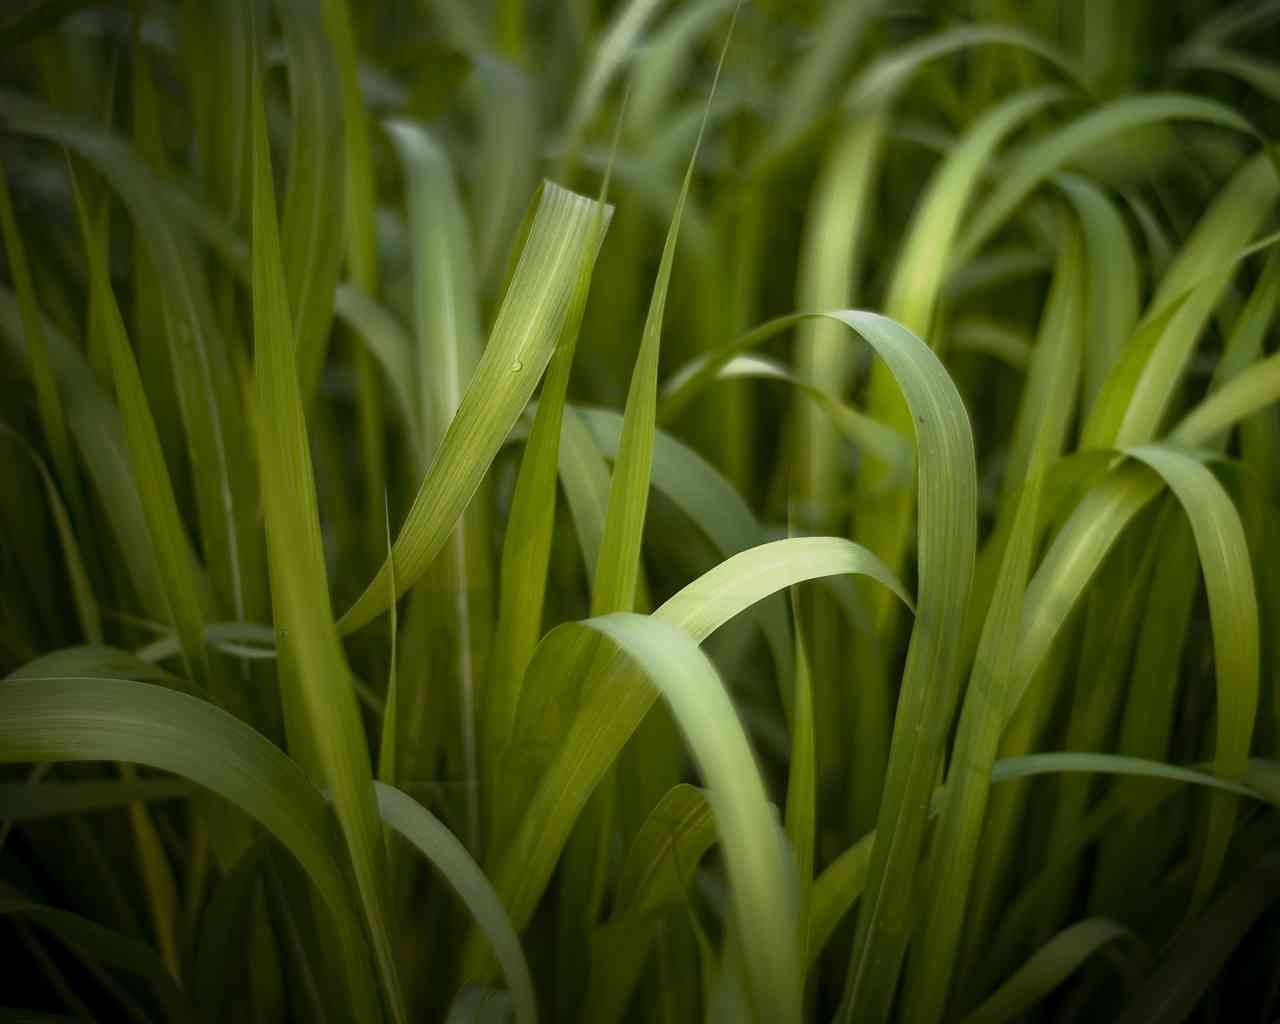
(887, 77)
(1043, 156)
(1248, 392)
(1226, 563)
(560, 250)
(421, 828)
(88, 719)
(711, 502)
(926, 252)
(613, 710)
(863, 432)
(1137, 394)
(759, 873)
(947, 547)
(1113, 284)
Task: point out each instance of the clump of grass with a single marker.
(626, 512)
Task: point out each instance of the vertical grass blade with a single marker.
(320, 704)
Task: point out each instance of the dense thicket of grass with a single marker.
(640, 511)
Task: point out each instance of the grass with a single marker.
(640, 511)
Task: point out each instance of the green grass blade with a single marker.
(1136, 396)
(664, 853)
(388, 746)
(614, 710)
(208, 394)
(311, 236)
(1114, 286)
(320, 704)
(446, 319)
(1042, 157)
(800, 820)
(926, 252)
(168, 537)
(617, 45)
(1226, 564)
(982, 718)
(759, 873)
(421, 828)
(887, 77)
(53, 418)
(87, 719)
(526, 550)
(560, 249)
(614, 583)
(947, 550)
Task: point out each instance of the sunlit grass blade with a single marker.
(614, 709)
(526, 550)
(559, 251)
(759, 870)
(446, 320)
